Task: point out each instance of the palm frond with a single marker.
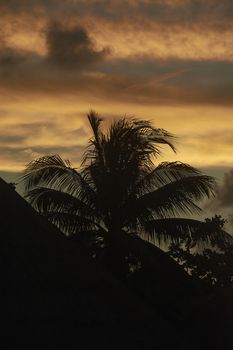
(155, 135)
(183, 230)
(94, 150)
(138, 139)
(163, 174)
(175, 229)
(178, 196)
(52, 171)
(71, 224)
(129, 142)
(48, 199)
(95, 122)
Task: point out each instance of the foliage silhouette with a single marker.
(119, 190)
(214, 264)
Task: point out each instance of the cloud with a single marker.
(223, 202)
(168, 58)
(11, 139)
(219, 138)
(11, 57)
(42, 134)
(23, 142)
(65, 47)
(157, 29)
(71, 47)
(225, 191)
(146, 82)
(230, 220)
(212, 11)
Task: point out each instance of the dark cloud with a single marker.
(12, 139)
(208, 12)
(230, 222)
(175, 81)
(66, 47)
(225, 191)
(223, 202)
(217, 171)
(15, 6)
(11, 57)
(13, 152)
(71, 47)
(70, 50)
(157, 82)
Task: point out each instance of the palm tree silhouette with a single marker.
(118, 188)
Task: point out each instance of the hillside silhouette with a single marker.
(50, 286)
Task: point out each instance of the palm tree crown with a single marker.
(118, 188)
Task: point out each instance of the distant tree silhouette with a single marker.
(118, 188)
(213, 264)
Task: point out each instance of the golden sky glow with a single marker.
(168, 61)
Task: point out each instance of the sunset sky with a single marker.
(170, 61)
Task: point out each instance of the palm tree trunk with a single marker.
(115, 255)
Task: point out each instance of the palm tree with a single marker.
(118, 189)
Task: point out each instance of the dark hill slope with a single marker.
(49, 285)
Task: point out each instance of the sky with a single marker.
(169, 61)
